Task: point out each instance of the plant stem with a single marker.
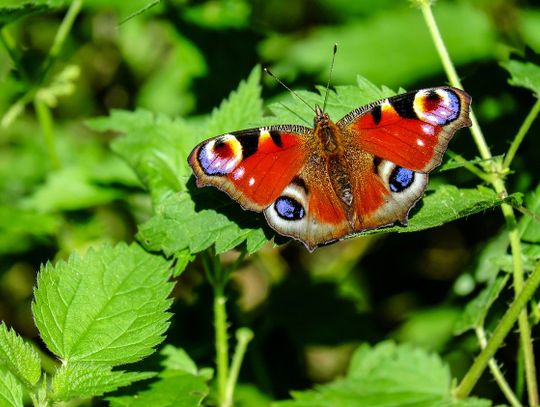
(525, 126)
(222, 346)
(499, 187)
(243, 337)
(61, 34)
(496, 372)
(46, 122)
(503, 327)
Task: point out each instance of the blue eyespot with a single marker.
(289, 209)
(400, 179)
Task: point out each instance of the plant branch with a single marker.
(503, 328)
(243, 337)
(525, 126)
(515, 243)
(496, 372)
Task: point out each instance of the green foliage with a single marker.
(106, 242)
(387, 374)
(77, 301)
(19, 357)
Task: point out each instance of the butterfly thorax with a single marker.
(330, 139)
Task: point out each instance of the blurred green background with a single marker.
(182, 58)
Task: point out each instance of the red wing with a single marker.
(253, 166)
(411, 130)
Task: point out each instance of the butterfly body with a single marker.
(319, 185)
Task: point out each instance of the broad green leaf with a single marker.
(178, 359)
(155, 146)
(175, 388)
(386, 375)
(429, 328)
(20, 358)
(21, 228)
(446, 204)
(107, 307)
(70, 189)
(11, 391)
(392, 47)
(199, 220)
(524, 74)
(495, 249)
(475, 312)
(82, 380)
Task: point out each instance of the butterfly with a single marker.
(322, 184)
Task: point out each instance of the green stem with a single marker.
(243, 337)
(533, 113)
(469, 166)
(10, 46)
(222, 346)
(496, 372)
(46, 122)
(503, 328)
(61, 35)
(498, 185)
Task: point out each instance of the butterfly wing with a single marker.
(411, 130)
(252, 166)
(393, 144)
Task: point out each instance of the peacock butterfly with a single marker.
(320, 185)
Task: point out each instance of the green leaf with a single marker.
(475, 312)
(199, 220)
(172, 390)
(524, 74)
(70, 189)
(82, 380)
(386, 375)
(446, 204)
(21, 228)
(11, 391)
(178, 359)
(20, 358)
(107, 307)
(155, 146)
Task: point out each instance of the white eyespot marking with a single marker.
(239, 173)
(251, 181)
(221, 155)
(420, 142)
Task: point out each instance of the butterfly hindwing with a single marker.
(411, 130)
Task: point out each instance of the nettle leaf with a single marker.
(180, 384)
(524, 74)
(199, 220)
(70, 189)
(386, 375)
(11, 391)
(106, 307)
(21, 228)
(475, 312)
(82, 380)
(155, 146)
(445, 204)
(20, 358)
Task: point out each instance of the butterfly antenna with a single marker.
(289, 89)
(329, 78)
